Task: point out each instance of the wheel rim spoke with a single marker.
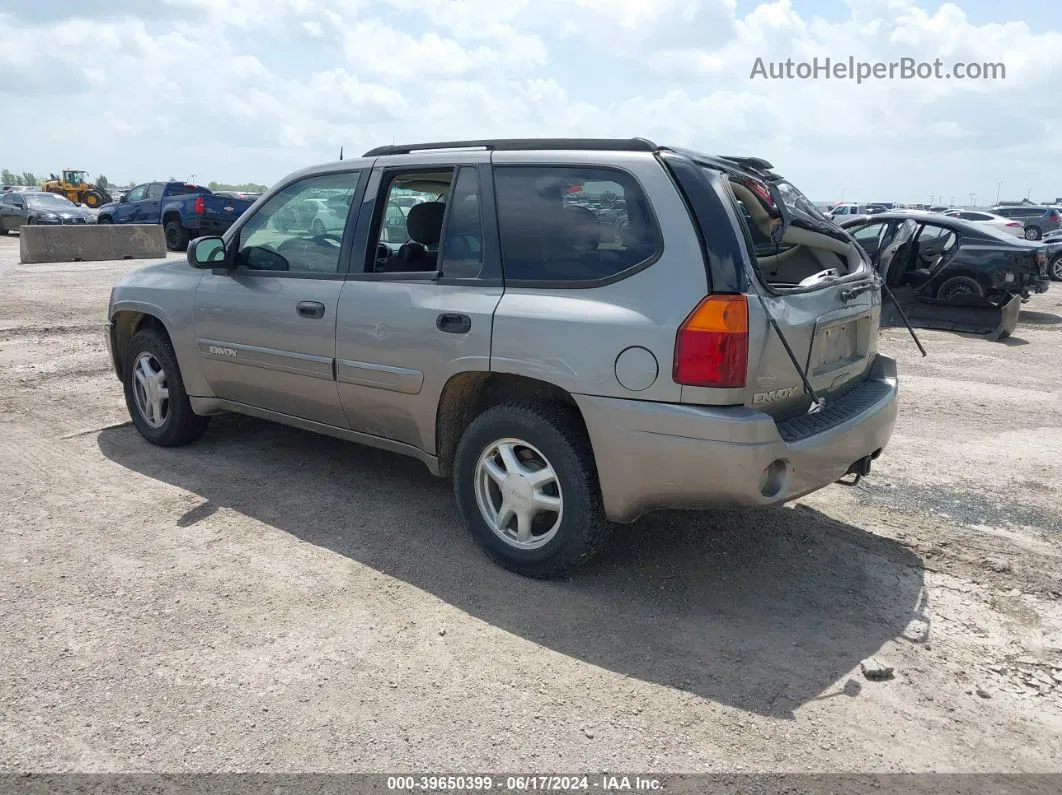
(509, 460)
(496, 473)
(547, 502)
(523, 526)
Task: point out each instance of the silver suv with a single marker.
(1038, 221)
(576, 331)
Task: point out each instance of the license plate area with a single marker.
(840, 348)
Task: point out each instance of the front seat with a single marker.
(424, 227)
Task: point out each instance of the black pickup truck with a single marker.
(185, 211)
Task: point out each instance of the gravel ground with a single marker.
(271, 600)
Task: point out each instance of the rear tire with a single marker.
(960, 286)
(1033, 233)
(541, 440)
(176, 236)
(1055, 268)
(149, 368)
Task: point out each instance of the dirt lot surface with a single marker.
(272, 600)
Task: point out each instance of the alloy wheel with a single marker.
(151, 390)
(519, 494)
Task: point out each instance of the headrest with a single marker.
(424, 222)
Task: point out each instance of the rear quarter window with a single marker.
(184, 190)
(573, 226)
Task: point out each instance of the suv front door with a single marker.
(420, 310)
(265, 329)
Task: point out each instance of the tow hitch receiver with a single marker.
(858, 469)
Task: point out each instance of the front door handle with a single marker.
(454, 323)
(313, 309)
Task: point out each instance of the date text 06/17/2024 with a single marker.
(523, 783)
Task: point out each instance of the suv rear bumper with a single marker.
(716, 457)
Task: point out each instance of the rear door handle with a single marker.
(313, 309)
(454, 323)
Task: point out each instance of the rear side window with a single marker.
(572, 225)
(184, 190)
(154, 190)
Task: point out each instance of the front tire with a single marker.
(106, 219)
(960, 286)
(176, 236)
(526, 486)
(1033, 233)
(1055, 268)
(93, 199)
(154, 392)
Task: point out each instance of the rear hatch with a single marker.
(816, 283)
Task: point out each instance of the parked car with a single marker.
(957, 274)
(184, 210)
(1016, 228)
(1053, 243)
(839, 211)
(562, 382)
(1038, 220)
(37, 207)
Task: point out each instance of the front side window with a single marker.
(136, 194)
(570, 224)
(300, 229)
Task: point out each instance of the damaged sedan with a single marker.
(951, 274)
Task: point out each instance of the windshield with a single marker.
(50, 200)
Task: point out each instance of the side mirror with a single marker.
(122, 200)
(207, 253)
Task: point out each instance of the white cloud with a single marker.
(248, 89)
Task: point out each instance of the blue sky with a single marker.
(248, 90)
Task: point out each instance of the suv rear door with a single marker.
(415, 312)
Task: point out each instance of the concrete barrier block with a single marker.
(92, 242)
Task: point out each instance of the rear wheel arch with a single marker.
(467, 395)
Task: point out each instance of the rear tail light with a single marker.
(200, 205)
(712, 344)
(1013, 223)
(1053, 216)
(761, 191)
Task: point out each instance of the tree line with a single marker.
(9, 177)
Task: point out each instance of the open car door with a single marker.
(908, 265)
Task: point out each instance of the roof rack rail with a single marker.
(521, 144)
